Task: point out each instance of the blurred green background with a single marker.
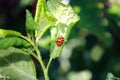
(93, 47)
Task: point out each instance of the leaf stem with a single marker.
(39, 58)
(46, 74)
(33, 42)
(48, 65)
(46, 70)
(29, 40)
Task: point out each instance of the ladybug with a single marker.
(60, 40)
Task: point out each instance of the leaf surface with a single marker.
(8, 33)
(66, 18)
(15, 64)
(45, 21)
(30, 24)
(13, 41)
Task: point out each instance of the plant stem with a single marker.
(46, 74)
(48, 65)
(38, 57)
(45, 70)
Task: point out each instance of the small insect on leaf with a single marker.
(60, 40)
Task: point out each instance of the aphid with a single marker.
(60, 40)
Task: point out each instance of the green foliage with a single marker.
(9, 33)
(53, 15)
(45, 21)
(30, 24)
(99, 25)
(110, 76)
(13, 41)
(114, 9)
(9, 38)
(66, 18)
(93, 43)
(15, 64)
(56, 32)
(62, 12)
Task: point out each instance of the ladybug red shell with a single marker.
(60, 40)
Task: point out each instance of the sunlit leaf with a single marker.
(66, 18)
(16, 64)
(45, 21)
(62, 12)
(114, 9)
(17, 42)
(110, 76)
(8, 33)
(61, 29)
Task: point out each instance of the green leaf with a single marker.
(114, 9)
(15, 64)
(110, 76)
(66, 18)
(62, 12)
(61, 29)
(13, 41)
(40, 3)
(46, 20)
(8, 33)
(30, 24)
